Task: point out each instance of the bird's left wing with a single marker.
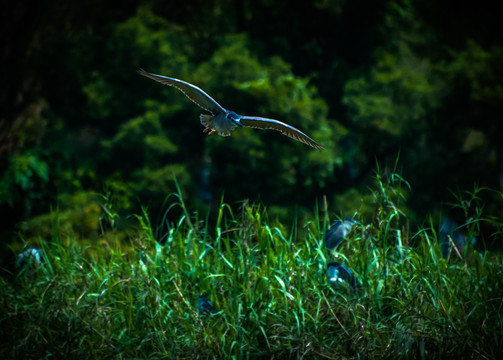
(194, 93)
(285, 129)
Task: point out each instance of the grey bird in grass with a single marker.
(340, 276)
(204, 306)
(223, 121)
(338, 232)
(452, 238)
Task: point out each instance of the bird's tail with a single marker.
(207, 120)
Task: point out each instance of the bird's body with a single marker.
(205, 306)
(223, 121)
(28, 258)
(340, 276)
(338, 232)
(452, 239)
(219, 123)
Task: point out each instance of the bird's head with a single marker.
(232, 116)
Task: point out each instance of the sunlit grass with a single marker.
(137, 299)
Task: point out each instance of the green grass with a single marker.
(269, 286)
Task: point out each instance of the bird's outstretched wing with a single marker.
(194, 93)
(285, 129)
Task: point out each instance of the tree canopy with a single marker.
(370, 81)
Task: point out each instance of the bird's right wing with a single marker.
(194, 93)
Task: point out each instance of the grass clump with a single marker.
(269, 288)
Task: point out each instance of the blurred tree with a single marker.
(366, 80)
(434, 103)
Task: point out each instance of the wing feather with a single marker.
(198, 96)
(285, 129)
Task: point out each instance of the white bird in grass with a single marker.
(223, 121)
(28, 258)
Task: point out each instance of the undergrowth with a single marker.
(136, 298)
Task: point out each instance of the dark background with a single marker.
(414, 86)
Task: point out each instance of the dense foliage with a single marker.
(367, 82)
(268, 287)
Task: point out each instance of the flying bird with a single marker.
(223, 121)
